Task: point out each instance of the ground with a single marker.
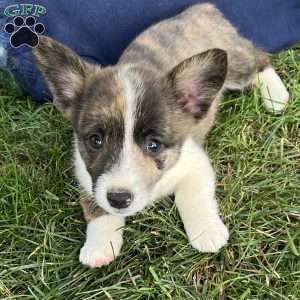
(257, 159)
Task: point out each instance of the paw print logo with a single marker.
(24, 32)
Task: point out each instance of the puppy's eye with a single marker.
(153, 146)
(95, 141)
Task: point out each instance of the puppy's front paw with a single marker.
(210, 236)
(103, 241)
(102, 251)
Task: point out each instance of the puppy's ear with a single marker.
(63, 70)
(196, 81)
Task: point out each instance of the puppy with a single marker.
(139, 125)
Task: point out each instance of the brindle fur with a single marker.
(197, 29)
(165, 89)
(90, 209)
(157, 63)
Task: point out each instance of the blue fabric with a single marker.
(100, 30)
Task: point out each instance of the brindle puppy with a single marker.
(139, 125)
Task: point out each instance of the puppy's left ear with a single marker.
(196, 81)
(64, 71)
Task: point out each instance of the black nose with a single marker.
(119, 198)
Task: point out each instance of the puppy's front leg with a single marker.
(195, 199)
(103, 236)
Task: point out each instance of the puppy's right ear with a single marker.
(64, 71)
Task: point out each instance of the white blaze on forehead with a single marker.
(126, 173)
(132, 90)
(130, 97)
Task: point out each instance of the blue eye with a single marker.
(153, 146)
(96, 141)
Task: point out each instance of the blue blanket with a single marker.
(99, 30)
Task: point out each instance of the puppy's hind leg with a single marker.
(247, 69)
(274, 94)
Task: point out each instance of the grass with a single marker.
(257, 159)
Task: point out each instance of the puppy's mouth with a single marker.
(123, 212)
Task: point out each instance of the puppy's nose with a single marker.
(119, 198)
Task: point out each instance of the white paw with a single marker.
(277, 100)
(103, 241)
(210, 236)
(274, 93)
(96, 254)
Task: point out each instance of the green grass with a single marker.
(257, 159)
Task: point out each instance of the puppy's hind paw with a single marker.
(274, 93)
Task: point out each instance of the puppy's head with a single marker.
(130, 124)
